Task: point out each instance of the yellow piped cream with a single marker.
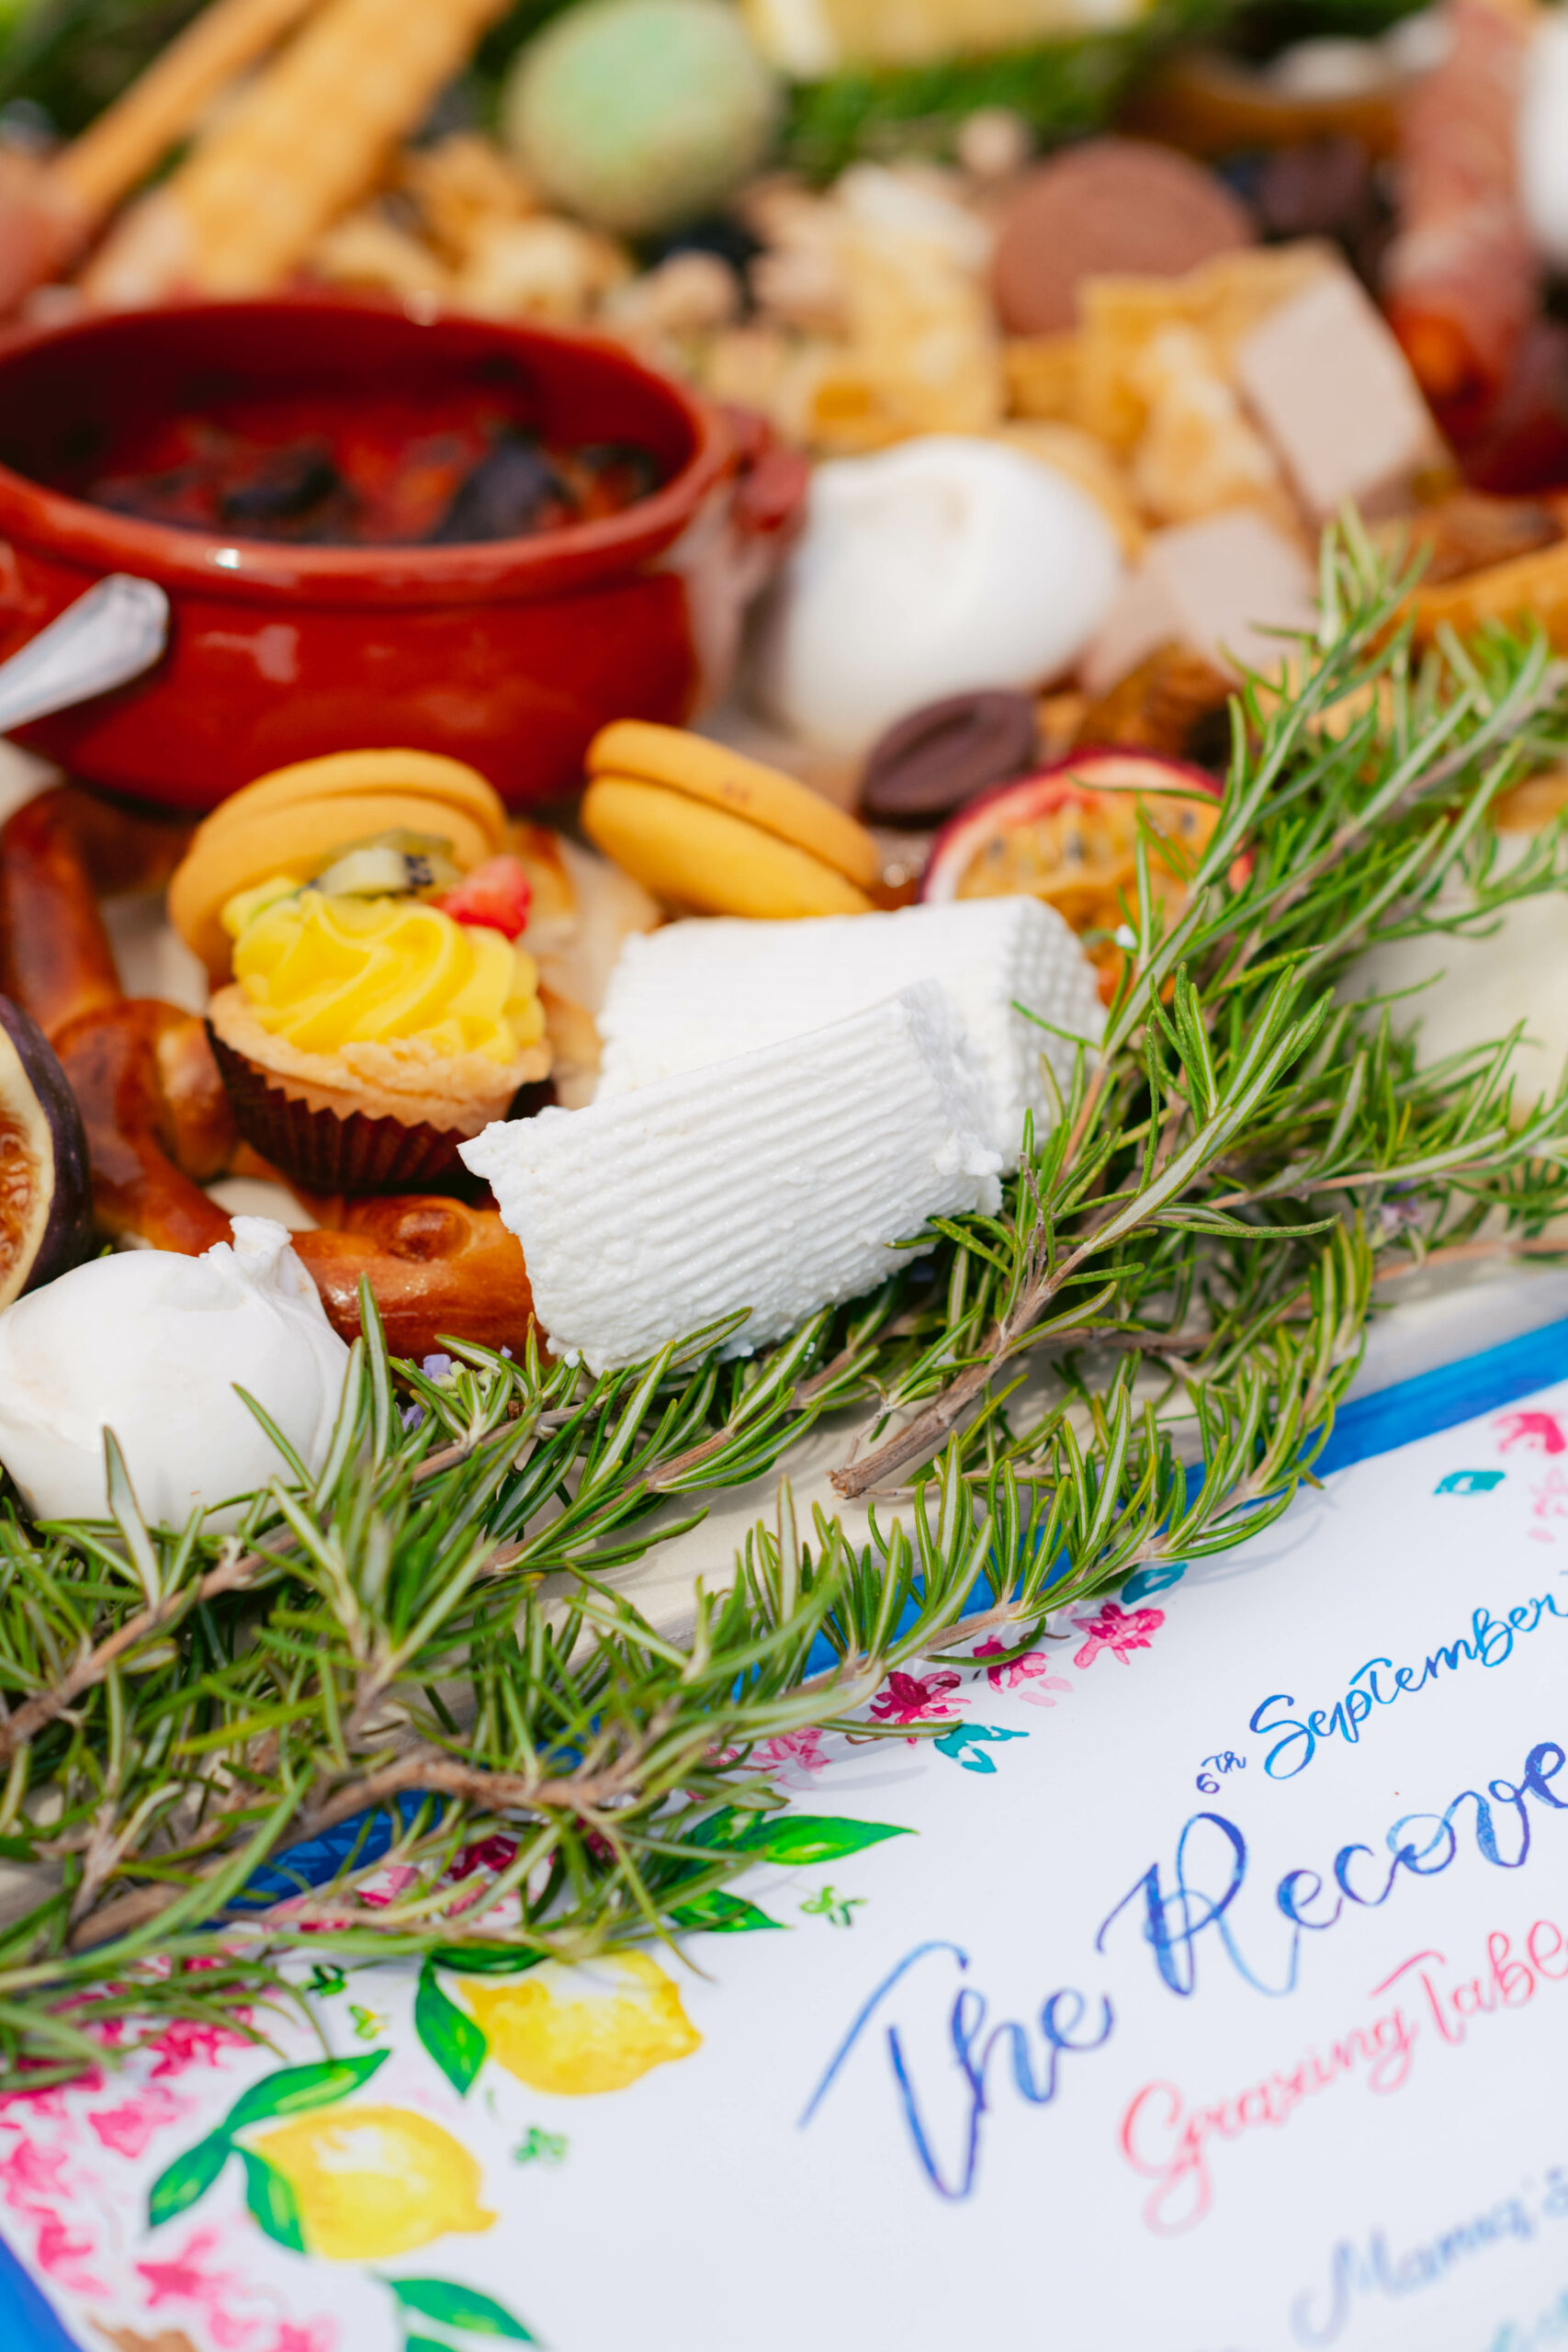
(320, 973)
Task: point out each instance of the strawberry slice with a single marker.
(496, 895)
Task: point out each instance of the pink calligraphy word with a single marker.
(1168, 2142)
(1508, 1981)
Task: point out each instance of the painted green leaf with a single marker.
(461, 2307)
(723, 1828)
(273, 2204)
(796, 1839)
(427, 2344)
(454, 2040)
(189, 2176)
(721, 1914)
(293, 2089)
(486, 1960)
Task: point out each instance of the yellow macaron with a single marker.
(295, 820)
(712, 832)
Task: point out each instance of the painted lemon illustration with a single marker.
(375, 2181)
(579, 2029)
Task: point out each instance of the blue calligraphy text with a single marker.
(1379, 1683)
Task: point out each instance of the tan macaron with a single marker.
(711, 832)
(293, 822)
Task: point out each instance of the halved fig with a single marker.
(46, 1202)
(1069, 835)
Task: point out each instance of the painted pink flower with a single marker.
(485, 1854)
(1032, 1668)
(316, 2335)
(794, 1752)
(48, 2104)
(1538, 1433)
(1118, 1630)
(1552, 1494)
(32, 2185)
(388, 1884)
(188, 2042)
(913, 1699)
(29, 2172)
(128, 2129)
(187, 2280)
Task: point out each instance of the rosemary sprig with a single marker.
(1236, 1095)
(422, 1651)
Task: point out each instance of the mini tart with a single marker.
(711, 832)
(362, 1038)
(290, 824)
(388, 1114)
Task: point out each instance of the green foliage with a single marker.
(292, 2090)
(1063, 88)
(429, 1640)
(71, 57)
(271, 2202)
(449, 2034)
(463, 2308)
(720, 1915)
(179, 2185)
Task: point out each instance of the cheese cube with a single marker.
(699, 992)
(1220, 585)
(776, 1182)
(1332, 386)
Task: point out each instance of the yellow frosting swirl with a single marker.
(322, 973)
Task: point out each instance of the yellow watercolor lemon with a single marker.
(579, 2029)
(375, 2181)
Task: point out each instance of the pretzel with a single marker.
(157, 1116)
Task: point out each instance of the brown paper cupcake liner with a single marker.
(326, 1153)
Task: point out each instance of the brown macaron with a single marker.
(942, 755)
(1113, 207)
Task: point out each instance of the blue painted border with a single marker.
(1441, 1400)
(1433, 1401)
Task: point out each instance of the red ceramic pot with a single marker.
(509, 654)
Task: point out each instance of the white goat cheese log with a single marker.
(701, 991)
(775, 1181)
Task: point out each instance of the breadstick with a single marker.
(301, 146)
(165, 104)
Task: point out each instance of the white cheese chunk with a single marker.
(776, 1182)
(702, 991)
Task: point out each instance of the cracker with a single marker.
(1223, 301)
(1042, 376)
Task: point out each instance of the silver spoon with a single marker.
(114, 632)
